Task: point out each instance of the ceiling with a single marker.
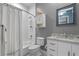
(28, 4)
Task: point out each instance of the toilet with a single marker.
(40, 41)
(34, 50)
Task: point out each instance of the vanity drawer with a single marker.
(52, 47)
(51, 52)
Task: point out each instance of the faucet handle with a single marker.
(64, 33)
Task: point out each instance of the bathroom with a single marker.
(37, 29)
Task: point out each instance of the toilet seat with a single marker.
(33, 47)
(34, 50)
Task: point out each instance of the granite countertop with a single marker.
(73, 40)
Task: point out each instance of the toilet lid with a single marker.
(34, 46)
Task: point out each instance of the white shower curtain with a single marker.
(0, 29)
(11, 18)
(14, 31)
(19, 30)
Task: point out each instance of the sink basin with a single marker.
(40, 38)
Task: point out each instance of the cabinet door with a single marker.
(64, 49)
(75, 49)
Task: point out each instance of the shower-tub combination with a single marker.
(17, 31)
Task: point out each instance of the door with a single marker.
(3, 29)
(0, 29)
(75, 49)
(10, 19)
(64, 49)
(13, 32)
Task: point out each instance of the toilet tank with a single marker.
(40, 41)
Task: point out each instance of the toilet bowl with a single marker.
(34, 50)
(34, 47)
(40, 42)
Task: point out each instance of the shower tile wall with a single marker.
(28, 29)
(24, 28)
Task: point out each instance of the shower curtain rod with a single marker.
(17, 8)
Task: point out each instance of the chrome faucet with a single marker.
(65, 35)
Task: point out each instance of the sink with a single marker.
(40, 38)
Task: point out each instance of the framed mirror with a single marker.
(66, 15)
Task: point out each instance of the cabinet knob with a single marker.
(68, 53)
(73, 54)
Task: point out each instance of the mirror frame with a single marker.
(64, 8)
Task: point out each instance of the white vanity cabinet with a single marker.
(57, 47)
(64, 48)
